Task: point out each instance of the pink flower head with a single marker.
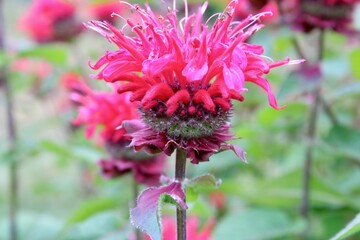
(104, 10)
(192, 232)
(105, 109)
(184, 75)
(108, 111)
(330, 14)
(50, 20)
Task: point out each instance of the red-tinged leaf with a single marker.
(146, 216)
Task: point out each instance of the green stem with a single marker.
(329, 111)
(310, 136)
(180, 167)
(324, 103)
(11, 128)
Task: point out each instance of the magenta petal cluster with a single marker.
(104, 111)
(51, 20)
(184, 74)
(172, 56)
(198, 149)
(146, 171)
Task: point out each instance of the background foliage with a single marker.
(63, 196)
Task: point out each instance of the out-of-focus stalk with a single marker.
(310, 137)
(11, 132)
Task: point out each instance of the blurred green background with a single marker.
(63, 196)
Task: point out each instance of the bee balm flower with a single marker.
(331, 14)
(108, 110)
(184, 74)
(51, 20)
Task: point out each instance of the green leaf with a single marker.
(3, 58)
(55, 54)
(354, 62)
(346, 140)
(67, 152)
(350, 229)
(257, 224)
(203, 183)
(91, 207)
(286, 188)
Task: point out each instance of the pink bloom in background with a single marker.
(50, 20)
(146, 170)
(107, 111)
(218, 199)
(35, 68)
(192, 229)
(184, 75)
(104, 10)
(248, 7)
(330, 14)
(74, 83)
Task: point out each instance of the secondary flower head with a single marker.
(184, 75)
(146, 170)
(255, 6)
(50, 20)
(108, 110)
(331, 14)
(104, 109)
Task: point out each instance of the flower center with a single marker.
(188, 114)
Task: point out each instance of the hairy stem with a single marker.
(11, 129)
(135, 192)
(180, 167)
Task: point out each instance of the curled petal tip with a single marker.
(298, 61)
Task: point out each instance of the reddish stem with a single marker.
(180, 168)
